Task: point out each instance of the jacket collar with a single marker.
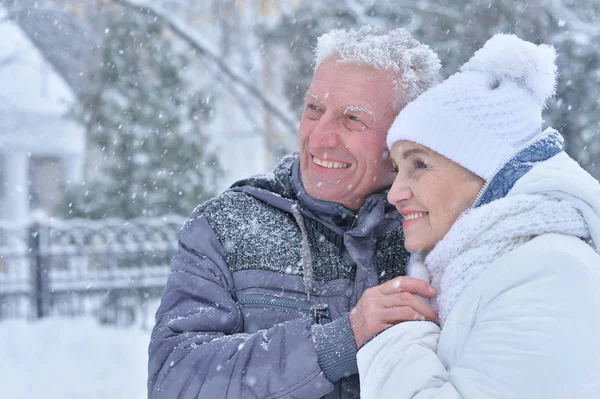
(542, 148)
(375, 213)
(284, 189)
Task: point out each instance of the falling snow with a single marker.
(106, 111)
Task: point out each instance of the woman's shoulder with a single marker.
(557, 253)
(546, 265)
(537, 307)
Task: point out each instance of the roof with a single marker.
(34, 99)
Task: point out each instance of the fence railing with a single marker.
(111, 268)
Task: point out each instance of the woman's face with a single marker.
(430, 191)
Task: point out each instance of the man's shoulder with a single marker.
(263, 191)
(279, 181)
(226, 202)
(230, 207)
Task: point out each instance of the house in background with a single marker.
(40, 147)
(246, 137)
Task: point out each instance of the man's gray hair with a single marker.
(414, 66)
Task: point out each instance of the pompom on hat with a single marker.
(483, 114)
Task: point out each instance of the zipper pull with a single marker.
(320, 312)
(354, 221)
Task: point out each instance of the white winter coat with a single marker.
(527, 327)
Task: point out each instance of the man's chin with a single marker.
(322, 192)
(334, 195)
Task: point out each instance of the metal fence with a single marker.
(113, 269)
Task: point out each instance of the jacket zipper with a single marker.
(503, 163)
(318, 310)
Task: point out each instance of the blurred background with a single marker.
(118, 117)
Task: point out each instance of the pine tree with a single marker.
(147, 125)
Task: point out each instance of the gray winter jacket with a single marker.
(257, 301)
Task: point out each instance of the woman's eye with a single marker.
(420, 164)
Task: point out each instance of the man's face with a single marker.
(347, 113)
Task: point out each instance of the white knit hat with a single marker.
(482, 115)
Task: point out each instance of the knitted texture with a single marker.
(484, 234)
(484, 114)
(260, 237)
(417, 269)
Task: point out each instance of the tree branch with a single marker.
(561, 11)
(204, 49)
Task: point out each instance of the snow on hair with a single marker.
(414, 65)
(507, 56)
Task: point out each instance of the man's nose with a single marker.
(399, 192)
(325, 134)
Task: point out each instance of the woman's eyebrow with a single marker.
(412, 151)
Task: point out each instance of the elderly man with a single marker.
(280, 278)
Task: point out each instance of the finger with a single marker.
(400, 314)
(410, 300)
(424, 309)
(406, 313)
(407, 284)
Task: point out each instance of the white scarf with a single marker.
(482, 235)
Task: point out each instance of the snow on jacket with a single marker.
(523, 323)
(257, 302)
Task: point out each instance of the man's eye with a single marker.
(312, 111)
(353, 122)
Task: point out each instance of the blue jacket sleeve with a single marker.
(198, 348)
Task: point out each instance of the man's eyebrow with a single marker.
(412, 151)
(356, 108)
(314, 96)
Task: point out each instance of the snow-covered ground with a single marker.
(61, 358)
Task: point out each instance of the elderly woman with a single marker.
(507, 227)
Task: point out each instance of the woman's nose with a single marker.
(399, 192)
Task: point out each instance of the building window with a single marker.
(45, 184)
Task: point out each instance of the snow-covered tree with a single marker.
(150, 155)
